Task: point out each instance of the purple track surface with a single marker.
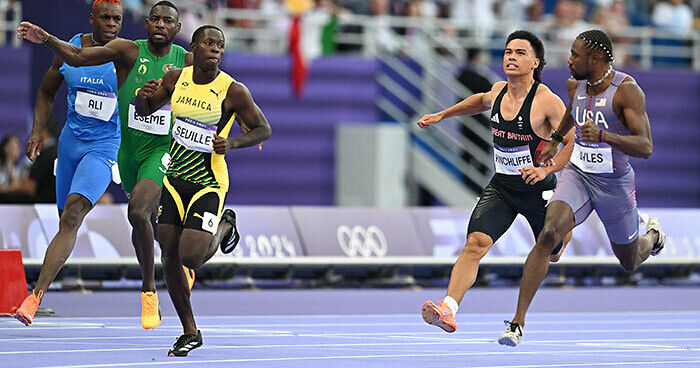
(581, 327)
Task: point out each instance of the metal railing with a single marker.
(10, 16)
(361, 32)
(426, 58)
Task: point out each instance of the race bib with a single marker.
(95, 104)
(508, 160)
(157, 123)
(594, 160)
(194, 135)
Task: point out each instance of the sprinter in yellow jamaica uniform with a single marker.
(205, 102)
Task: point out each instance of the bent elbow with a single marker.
(647, 152)
(267, 133)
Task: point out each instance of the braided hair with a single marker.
(600, 41)
(536, 44)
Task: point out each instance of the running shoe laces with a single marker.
(231, 239)
(150, 310)
(26, 311)
(655, 225)
(513, 334)
(185, 344)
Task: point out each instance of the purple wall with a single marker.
(296, 166)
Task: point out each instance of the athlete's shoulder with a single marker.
(628, 91)
(544, 92)
(178, 49)
(498, 86)
(546, 99)
(141, 43)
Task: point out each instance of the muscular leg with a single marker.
(143, 203)
(555, 257)
(224, 228)
(467, 266)
(174, 277)
(61, 246)
(195, 244)
(632, 255)
(559, 221)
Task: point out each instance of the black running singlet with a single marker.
(515, 145)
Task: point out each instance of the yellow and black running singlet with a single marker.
(198, 114)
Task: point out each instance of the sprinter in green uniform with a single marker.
(143, 154)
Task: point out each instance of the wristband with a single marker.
(557, 137)
(600, 135)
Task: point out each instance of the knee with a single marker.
(70, 220)
(138, 216)
(549, 237)
(478, 244)
(191, 261)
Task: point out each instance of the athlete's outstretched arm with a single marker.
(631, 100)
(156, 93)
(471, 105)
(42, 107)
(239, 100)
(120, 51)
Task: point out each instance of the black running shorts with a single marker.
(498, 207)
(190, 205)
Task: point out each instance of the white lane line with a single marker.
(403, 315)
(376, 356)
(615, 364)
(413, 322)
(628, 347)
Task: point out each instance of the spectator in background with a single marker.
(40, 185)
(674, 16)
(615, 20)
(479, 15)
(535, 11)
(12, 166)
(565, 25)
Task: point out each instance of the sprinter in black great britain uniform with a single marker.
(524, 113)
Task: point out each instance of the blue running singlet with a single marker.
(88, 145)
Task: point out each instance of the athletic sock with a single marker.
(450, 302)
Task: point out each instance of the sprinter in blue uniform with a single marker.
(88, 145)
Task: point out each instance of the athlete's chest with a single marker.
(201, 102)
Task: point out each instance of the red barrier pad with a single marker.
(13, 283)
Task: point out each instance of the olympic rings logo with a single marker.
(358, 241)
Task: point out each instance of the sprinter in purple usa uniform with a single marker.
(608, 110)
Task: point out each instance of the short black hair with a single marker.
(200, 31)
(536, 44)
(168, 4)
(598, 40)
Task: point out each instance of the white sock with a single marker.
(451, 303)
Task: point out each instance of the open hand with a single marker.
(532, 174)
(32, 32)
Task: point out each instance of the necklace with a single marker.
(599, 81)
